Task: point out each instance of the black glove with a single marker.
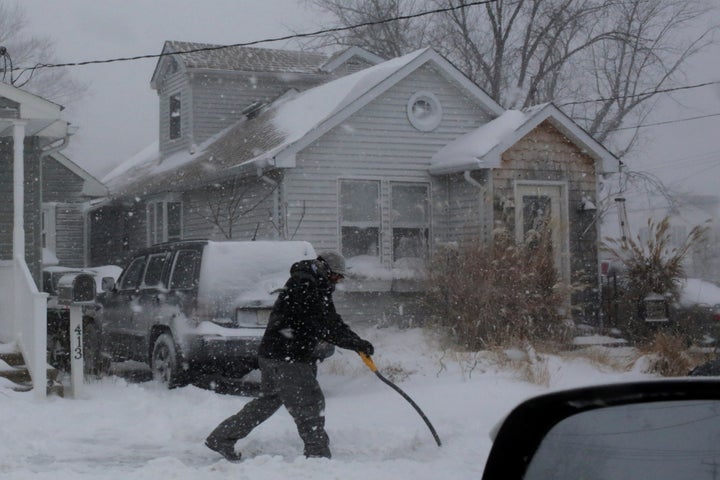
(365, 347)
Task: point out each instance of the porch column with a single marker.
(19, 189)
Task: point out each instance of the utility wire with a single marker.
(256, 42)
(643, 125)
(643, 94)
(38, 66)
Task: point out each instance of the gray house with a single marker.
(384, 161)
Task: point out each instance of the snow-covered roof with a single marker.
(483, 147)
(274, 136)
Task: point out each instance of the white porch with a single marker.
(22, 306)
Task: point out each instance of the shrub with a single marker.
(654, 266)
(496, 295)
(667, 355)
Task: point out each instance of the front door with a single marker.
(541, 209)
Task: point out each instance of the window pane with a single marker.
(175, 116)
(173, 221)
(409, 242)
(153, 275)
(185, 273)
(410, 204)
(360, 241)
(133, 274)
(360, 201)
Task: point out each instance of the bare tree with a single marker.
(25, 50)
(388, 40)
(229, 202)
(617, 53)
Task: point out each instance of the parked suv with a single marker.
(193, 307)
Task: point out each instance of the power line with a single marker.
(256, 42)
(643, 125)
(643, 94)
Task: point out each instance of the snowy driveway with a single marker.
(123, 430)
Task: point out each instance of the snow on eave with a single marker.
(146, 155)
(471, 150)
(505, 131)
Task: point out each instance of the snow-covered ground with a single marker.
(125, 430)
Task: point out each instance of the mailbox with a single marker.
(76, 288)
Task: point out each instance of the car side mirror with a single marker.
(107, 284)
(657, 429)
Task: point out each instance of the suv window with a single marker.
(154, 272)
(133, 274)
(185, 272)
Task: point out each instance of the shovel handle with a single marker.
(368, 361)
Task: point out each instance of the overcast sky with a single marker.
(119, 116)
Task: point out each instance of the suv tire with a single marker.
(166, 364)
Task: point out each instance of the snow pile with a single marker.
(123, 430)
(699, 292)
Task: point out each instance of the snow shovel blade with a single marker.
(371, 365)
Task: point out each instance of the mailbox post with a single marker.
(74, 291)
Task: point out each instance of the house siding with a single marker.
(64, 188)
(219, 98)
(173, 84)
(377, 142)
(258, 199)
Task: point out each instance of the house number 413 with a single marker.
(78, 346)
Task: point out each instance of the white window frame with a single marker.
(174, 114)
(430, 118)
(400, 223)
(158, 232)
(49, 226)
(378, 223)
(558, 193)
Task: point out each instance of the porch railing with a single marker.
(23, 318)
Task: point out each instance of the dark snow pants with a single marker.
(293, 385)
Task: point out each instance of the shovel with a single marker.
(371, 365)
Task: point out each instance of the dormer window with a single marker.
(175, 116)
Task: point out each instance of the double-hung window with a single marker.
(164, 221)
(410, 220)
(360, 217)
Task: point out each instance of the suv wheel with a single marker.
(165, 363)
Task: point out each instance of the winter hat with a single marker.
(334, 262)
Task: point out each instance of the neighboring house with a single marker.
(67, 194)
(31, 129)
(385, 161)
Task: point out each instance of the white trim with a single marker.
(562, 261)
(429, 123)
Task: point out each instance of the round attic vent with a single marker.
(424, 111)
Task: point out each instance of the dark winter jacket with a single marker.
(303, 315)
